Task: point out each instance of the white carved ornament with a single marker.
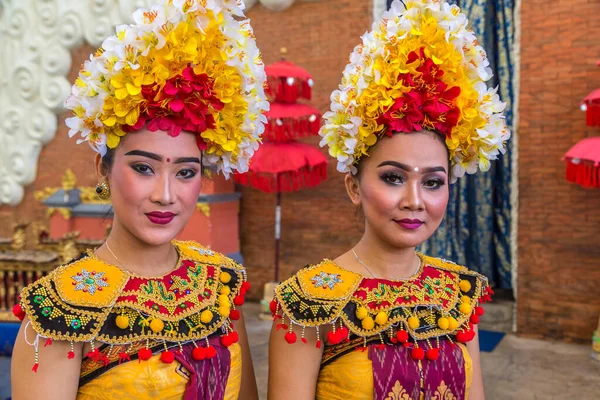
(35, 39)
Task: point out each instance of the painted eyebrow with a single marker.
(144, 154)
(158, 157)
(182, 160)
(409, 169)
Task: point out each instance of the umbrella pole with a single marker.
(277, 234)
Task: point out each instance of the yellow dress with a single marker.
(388, 339)
(167, 337)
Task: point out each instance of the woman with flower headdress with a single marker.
(144, 315)
(411, 116)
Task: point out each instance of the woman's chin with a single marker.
(158, 237)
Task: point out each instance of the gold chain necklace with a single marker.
(375, 276)
(115, 257)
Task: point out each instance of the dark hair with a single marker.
(108, 160)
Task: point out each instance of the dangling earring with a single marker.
(102, 190)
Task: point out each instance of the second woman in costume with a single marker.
(381, 321)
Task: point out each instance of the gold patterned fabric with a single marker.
(154, 379)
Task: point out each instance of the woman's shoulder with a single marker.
(316, 294)
(71, 301)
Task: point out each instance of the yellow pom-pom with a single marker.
(122, 321)
(381, 318)
(452, 324)
(443, 323)
(413, 323)
(368, 323)
(465, 309)
(225, 277)
(206, 316)
(465, 286)
(361, 313)
(224, 311)
(225, 290)
(157, 325)
(465, 299)
(223, 299)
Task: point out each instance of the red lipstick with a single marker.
(411, 224)
(160, 218)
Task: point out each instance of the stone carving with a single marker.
(35, 41)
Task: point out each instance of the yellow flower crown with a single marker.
(419, 68)
(184, 65)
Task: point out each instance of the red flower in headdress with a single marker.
(183, 103)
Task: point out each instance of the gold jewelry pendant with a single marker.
(102, 190)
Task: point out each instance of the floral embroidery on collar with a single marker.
(325, 280)
(89, 281)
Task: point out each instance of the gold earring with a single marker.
(102, 190)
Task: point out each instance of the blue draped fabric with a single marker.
(477, 229)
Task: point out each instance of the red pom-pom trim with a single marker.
(48, 342)
(245, 286)
(211, 352)
(167, 357)
(227, 340)
(273, 306)
(290, 337)
(474, 319)
(417, 353)
(124, 357)
(199, 353)
(144, 354)
(35, 367)
(332, 337)
(479, 311)
(71, 355)
(432, 354)
(239, 300)
(18, 312)
(402, 336)
(235, 315)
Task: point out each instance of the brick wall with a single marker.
(559, 226)
(319, 222)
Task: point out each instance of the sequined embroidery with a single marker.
(325, 280)
(89, 282)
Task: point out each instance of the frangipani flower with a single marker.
(184, 65)
(418, 68)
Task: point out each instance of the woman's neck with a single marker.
(125, 250)
(384, 260)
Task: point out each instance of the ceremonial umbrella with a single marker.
(591, 106)
(583, 163)
(281, 164)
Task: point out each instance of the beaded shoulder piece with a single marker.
(89, 300)
(440, 301)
